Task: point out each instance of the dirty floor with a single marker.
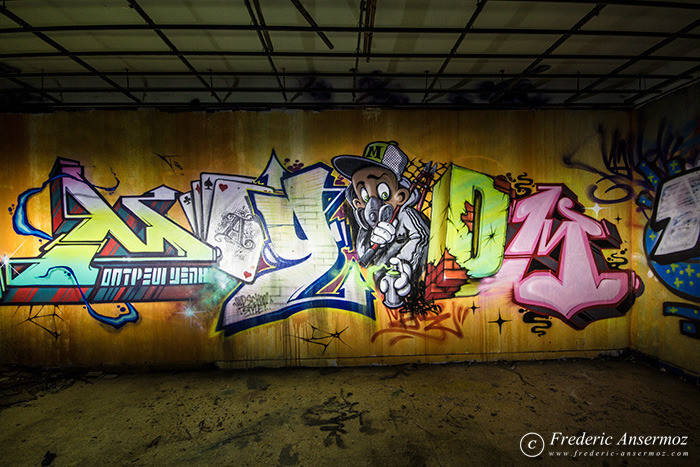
(457, 414)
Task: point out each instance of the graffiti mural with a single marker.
(661, 174)
(672, 235)
(393, 235)
(299, 253)
(377, 231)
(98, 253)
(435, 326)
(556, 258)
(634, 164)
(540, 248)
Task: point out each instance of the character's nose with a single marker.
(373, 216)
(372, 209)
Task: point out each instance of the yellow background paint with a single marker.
(491, 142)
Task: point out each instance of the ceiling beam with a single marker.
(453, 52)
(346, 74)
(12, 74)
(63, 51)
(33, 90)
(314, 26)
(646, 55)
(184, 106)
(547, 53)
(266, 50)
(692, 73)
(362, 28)
(346, 29)
(263, 26)
(387, 55)
(632, 3)
(304, 89)
(134, 5)
(370, 11)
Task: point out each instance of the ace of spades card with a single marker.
(207, 183)
(235, 229)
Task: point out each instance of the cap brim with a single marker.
(348, 165)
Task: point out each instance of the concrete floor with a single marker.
(457, 414)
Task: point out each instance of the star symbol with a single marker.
(189, 312)
(474, 307)
(618, 219)
(491, 236)
(596, 208)
(500, 322)
(5, 259)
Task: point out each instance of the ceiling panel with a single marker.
(59, 12)
(644, 19)
(108, 41)
(531, 15)
(496, 53)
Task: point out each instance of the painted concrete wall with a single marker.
(146, 238)
(667, 317)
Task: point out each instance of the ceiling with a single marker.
(318, 54)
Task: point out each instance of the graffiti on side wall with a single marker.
(690, 323)
(662, 175)
(377, 228)
(672, 235)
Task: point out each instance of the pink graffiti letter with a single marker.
(566, 274)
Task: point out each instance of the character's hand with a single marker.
(402, 284)
(384, 233)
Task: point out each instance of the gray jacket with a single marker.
(409, 245)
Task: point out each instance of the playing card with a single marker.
(235, 229)
(197, 201)
(207, 181)
(187, 203)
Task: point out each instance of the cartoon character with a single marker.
(391, 233)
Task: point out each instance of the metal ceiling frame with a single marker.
(637, 3)
(133, 4)
(339, 74)
(342, 29)
(365, 23)
(307, 88)
(669, 81)
(312, 23)
(46, 39)
(477, 11)
(267, 47)
(548, 53)
(387, 55)
(195, 105)
(642, 56)
(365, 31)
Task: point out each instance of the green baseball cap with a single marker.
(385, 154)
